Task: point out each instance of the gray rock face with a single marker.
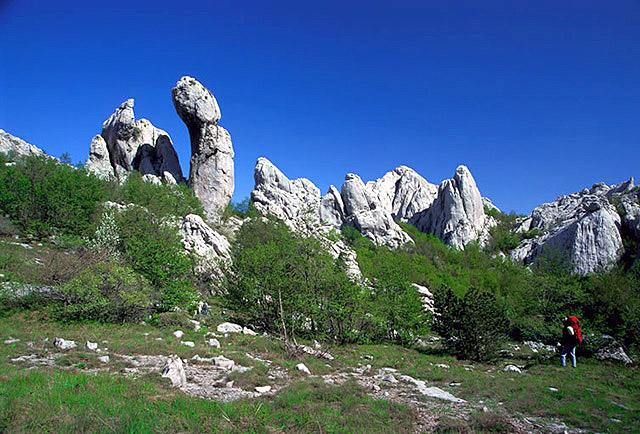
(211, 248)
(610, 349)
(364, 211)
(212, 170)
(297, 203)
(457, 215)
(402, 193)
(14, 145)
(125, 145)
(584, 227)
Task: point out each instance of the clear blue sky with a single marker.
(537, 98)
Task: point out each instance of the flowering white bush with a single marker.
(107, 237)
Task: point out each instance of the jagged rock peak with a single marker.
(125, 145)
(212, 169)
(10, 144)
(457, 214)
(402, 192)
(294, 201)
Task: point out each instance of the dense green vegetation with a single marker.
(63, 206)
(534, 300)
(287, 283)
(473, 326)
(44, 197)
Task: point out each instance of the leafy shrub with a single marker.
(473, 326)
(179, 294)
(106, 292)
(160, 200)
(241, 209)
(176, 318)
(106, 239)
(43, 196)
(151, 247)
(288, 284)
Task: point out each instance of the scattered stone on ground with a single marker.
(512, 368)
(248, 331)
(303, 368)
(213, 342)
(263, 389)
(104, 359)
(93, 346)
(11, 341)
(189, 344)
(174, 370)
(196, 325)
(64, 344)
(229, 327)
(178, 334)
(318, 353)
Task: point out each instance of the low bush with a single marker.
(151, 247)
(106, 292)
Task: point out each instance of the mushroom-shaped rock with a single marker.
(212, 169)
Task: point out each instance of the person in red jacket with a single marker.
(571, 338)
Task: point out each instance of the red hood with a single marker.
(573, 320)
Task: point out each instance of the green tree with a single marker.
(473, 326)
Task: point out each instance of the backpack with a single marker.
(577, 333)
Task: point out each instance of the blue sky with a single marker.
(537, 98)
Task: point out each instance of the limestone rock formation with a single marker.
(295, 202)
(365, 212)
(211, 248)
(585, 227)
(402, 192)
(125, 145)
(10, 144)
(457, 215)
(212, 169)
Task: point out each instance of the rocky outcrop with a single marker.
(402, 193)
(296, 202)
(457, 215)
(365, 212)
(584, 227)
(12, 145)
(125, 145)
(212, 170)
(212, 249)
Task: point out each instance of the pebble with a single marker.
(188, 344)
(263, 389)
(178, 334)
(104, 359)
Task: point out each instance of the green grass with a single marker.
(62, 401)
(71, 398)
(587, 397)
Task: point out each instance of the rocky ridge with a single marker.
(14, 145)
(586, 227)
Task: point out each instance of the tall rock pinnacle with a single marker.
(211, 174)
